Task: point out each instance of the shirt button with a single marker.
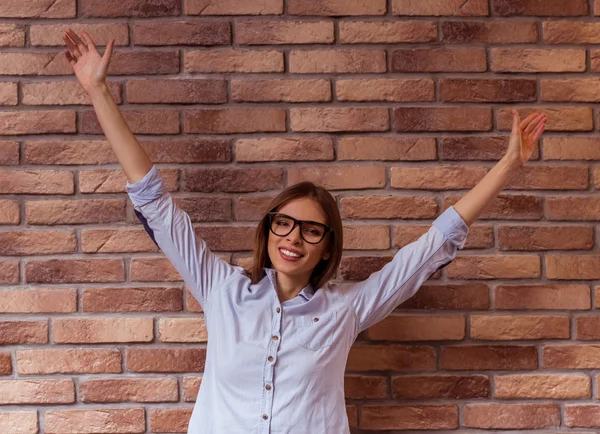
(316, 319)
(265, 417)
(268, 387)
(275, 338)
(277, 310)
(270, 359)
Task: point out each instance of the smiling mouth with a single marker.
(289, 254)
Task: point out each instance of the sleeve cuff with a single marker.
(453, 227)
(148, 189)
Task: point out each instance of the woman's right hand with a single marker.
(89, 67)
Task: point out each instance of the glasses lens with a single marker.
(281, 225)
(312, 233)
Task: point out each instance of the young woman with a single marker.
(280, 333)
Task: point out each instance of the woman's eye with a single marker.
(282, 223)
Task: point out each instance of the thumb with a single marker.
(107, 55)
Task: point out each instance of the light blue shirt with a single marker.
(272, 367)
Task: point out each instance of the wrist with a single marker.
(510, 163)
(99, 90)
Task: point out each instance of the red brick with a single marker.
(500, 357)
(68, 361)
(227, 238)
(23, 332)
(12, 35)
(284, 149)
(495, 267)
(365, 387)
(519, 327)
(191, 386)
(104, 420)
(200, 209)
(19, 422)
(9, 272)
(116, 241)
(546, 237)
(543, 386)
(469, 148)
(232, 180)
(130, 8)
(551, 297)
(386, 417)
(182, 330)
(386, 149)
(366, 237)
(39, 9)
(352, 413)
(144, 62)
(441, 386)
(252, 208)
(334, 119)
(336, 7)
(279, 90)
(171, 420)
(558, 8)
(361, 267)
(419, 328)
(567, 267)
(57, 271)
(437, 8)
(102, 330)
(230, 60)
(165, 359)
(233, 121)
(442, 119)
(439, 60)
(8, 93)
(388, 207)
(37, 392)
(339, 61)
(575, 90)
(154, 299)
(181, 33)
(37, 122)
(81, 211)
(262, 32)
(385, 89)
(5, 366)
(436, 178)
(571, 148)
(572, 208)
(129, 390)
(38, 182)
(9, 212)
(584, 416)
(62, 93)
(191, 303)
(396, 358)
(31, 63)
(21, 243)
(38, 301)
(571, 32)
(512, 416)
(233, 7)
(588, 327)
(486, 90)
(571, 356)
(153, 270)
(508, 207)
(595, 57)
(51, 34)
(149, 121)
(176, 91)
(383, 32)
(537, 60)
(450, 297)
(339, 177)
(482, 32)
(9, 153)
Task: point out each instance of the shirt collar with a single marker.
(307, 292)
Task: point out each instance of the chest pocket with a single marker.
(316, 332)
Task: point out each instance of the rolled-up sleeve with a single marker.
(172, 230)
(376, 297)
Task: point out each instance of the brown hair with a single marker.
(325, 269)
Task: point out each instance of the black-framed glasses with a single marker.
(311, 232)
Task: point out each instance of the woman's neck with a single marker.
(289, 287)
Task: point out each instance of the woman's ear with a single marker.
(326, 256)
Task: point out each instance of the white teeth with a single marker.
(290, 254)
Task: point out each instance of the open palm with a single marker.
(524, 136)
(89, 66)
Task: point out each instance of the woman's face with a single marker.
(290, 254)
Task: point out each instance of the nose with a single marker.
(294, 236)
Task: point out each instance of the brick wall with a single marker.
(398, 106)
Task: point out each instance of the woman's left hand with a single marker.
(524, 136)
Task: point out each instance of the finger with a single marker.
(529, 128)
(80, 44)
(528, 119)
(88, 40)
(71, 46)
(107, 55)
(537, 133)
(70, 58)
(515, 123)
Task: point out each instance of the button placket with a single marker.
(268, 385)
